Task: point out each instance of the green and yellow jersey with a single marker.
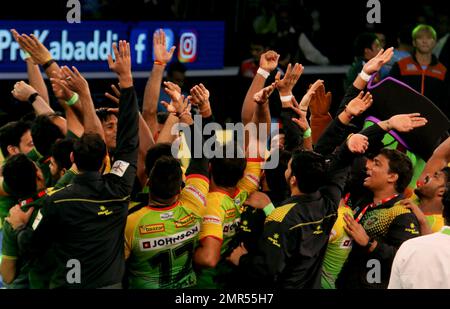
(338, 248)
(221, 220)
(160, 242)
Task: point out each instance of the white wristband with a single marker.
(365, 77)
(286, 98)
(263, 73)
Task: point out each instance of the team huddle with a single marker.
(131, 202)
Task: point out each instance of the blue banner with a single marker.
(199, 45)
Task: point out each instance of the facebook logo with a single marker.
(139, 45)
(170, 39)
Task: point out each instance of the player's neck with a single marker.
(431, 206)
(383, 193)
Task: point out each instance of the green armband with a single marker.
(268, 209)
(73, 99)
(307, 133)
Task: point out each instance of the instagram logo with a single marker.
(187, 51)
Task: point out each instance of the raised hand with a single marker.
(258, 200)
(269, 61)
(320, 102)
(60, 89)
(74, 80)
(116, 97)
(302, 121)
(358, 143)
(289, 80)
(405, 122)
(262, 96)
(199, 96)
(16, 38)
(306, 100)
(375, 64)
(359, 105)
(39, 53)
(159, 47)
(122, 64)
(22, 91)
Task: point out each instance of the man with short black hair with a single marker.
(422, 262)
(379, 228)
(15, 137)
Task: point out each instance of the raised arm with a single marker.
(153, 86)
(439, 160)
(24, 92)
(74, 81)
(34, 74)
(267, 63)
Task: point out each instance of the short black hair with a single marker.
(363, 41)
(45, 133)
(401, 165)
(89, 152)
(104, 113)
(11, 134)
(166, 178)
(154, 153)
(19, 175)
(227, 171)
(309, 168)
(176, 67)
(61, 153)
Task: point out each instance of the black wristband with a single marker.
(32, 98)
(46, 65)
(369, 243)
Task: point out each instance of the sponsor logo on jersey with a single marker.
(104, 212)
(166, 215)
(370, 221)
(212, 220)
(152, 228)
(196, 193)
(346, 243)
(170, 240)
(229, 228)
(237, 201)
(230, 213)
(274, 239)
(318, 230)
(185, 221)
(412, 229)
(37, 220)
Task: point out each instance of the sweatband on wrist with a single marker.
(365, 77)
(263, 73)
(286, 98)
(73, 99)
(26, 55)
(307, 133)
(159, 63)
(268, 209)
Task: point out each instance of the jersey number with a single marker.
(164, 260)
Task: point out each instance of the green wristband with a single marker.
(268, 209)
(73, 99)
(307, 133)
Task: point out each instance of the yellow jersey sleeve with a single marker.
(130, 227)
(213, 218)
(193, 196)
(252, 175)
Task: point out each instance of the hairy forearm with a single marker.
(145, 142)
(53, 70)
(41, 107)
(165, 136)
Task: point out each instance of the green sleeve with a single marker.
(9, 244)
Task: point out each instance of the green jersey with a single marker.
(160, 242)
(338, 249)
(29, 274)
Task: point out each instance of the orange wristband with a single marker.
(159, 63)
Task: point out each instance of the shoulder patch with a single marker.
(119, 168)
